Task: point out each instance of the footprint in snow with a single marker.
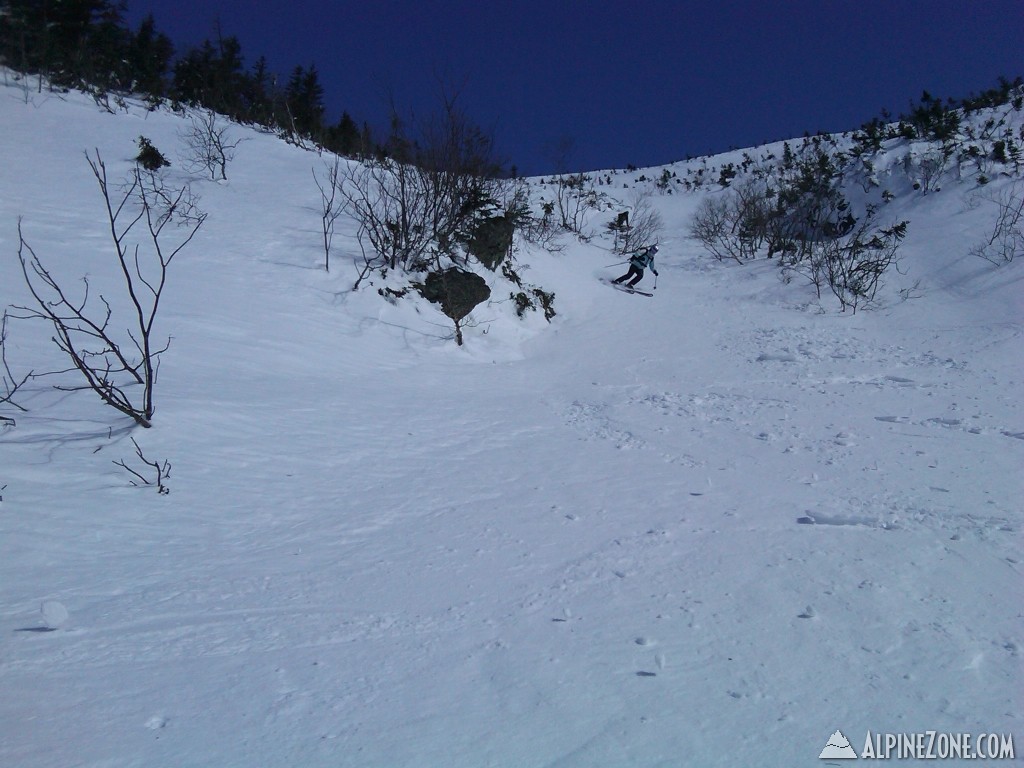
(776, 357)
(946, 422)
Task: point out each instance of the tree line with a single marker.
(88, 45)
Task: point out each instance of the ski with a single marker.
(627, 289)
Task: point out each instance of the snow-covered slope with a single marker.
(707, 528)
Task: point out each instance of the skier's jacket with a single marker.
(643, 259)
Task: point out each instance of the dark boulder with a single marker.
(456, 290)
(491, 242)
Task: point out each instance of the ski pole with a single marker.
(617, 263)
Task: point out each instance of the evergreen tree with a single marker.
(23, 41)
(304, 97)
(150, 59)
(72, 42)
(345, 138)
(260, 94)
(87, 44)
(107, 47)
(211, 76)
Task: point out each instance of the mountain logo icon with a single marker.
(838, 748)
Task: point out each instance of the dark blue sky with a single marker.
(643, 83)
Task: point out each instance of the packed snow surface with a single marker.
(706, 528)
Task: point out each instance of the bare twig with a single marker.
(161, 471)
(11, 384)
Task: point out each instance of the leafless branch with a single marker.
(10, 382)
(330, 209)
(161, 470)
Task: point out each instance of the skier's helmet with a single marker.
(654, 249)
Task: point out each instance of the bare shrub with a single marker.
(737, 224)
(644, 226)
(112, 362)
(855, 263)
(330, 208)
(539, 230)
(209, 146)
(575, 199)
(414, 202)
(712, 228)
(1007, 237)
(932, 165)
(391, 204)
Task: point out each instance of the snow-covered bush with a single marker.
(149, 157)
(794, 207)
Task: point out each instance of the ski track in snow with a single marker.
(710, 526)
(775, 420)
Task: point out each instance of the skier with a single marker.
(640, 260)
